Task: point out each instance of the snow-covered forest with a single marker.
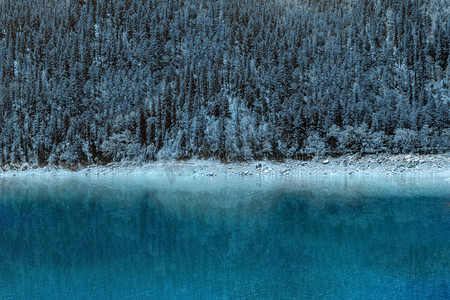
(93, 81)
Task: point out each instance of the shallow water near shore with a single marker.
(225, 237)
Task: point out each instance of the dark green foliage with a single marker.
(92, 81)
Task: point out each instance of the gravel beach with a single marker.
(349, 164)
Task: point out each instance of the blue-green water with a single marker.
(225, 238)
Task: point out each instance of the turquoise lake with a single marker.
(225, 237)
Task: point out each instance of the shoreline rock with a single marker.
(348, 164)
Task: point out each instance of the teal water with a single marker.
(150, 237)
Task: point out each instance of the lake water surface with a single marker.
(159, 237)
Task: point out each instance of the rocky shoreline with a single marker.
(348, 164)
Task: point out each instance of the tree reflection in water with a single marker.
(209, 238)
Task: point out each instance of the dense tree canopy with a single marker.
(93, 81)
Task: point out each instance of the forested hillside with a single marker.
(95, 81)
